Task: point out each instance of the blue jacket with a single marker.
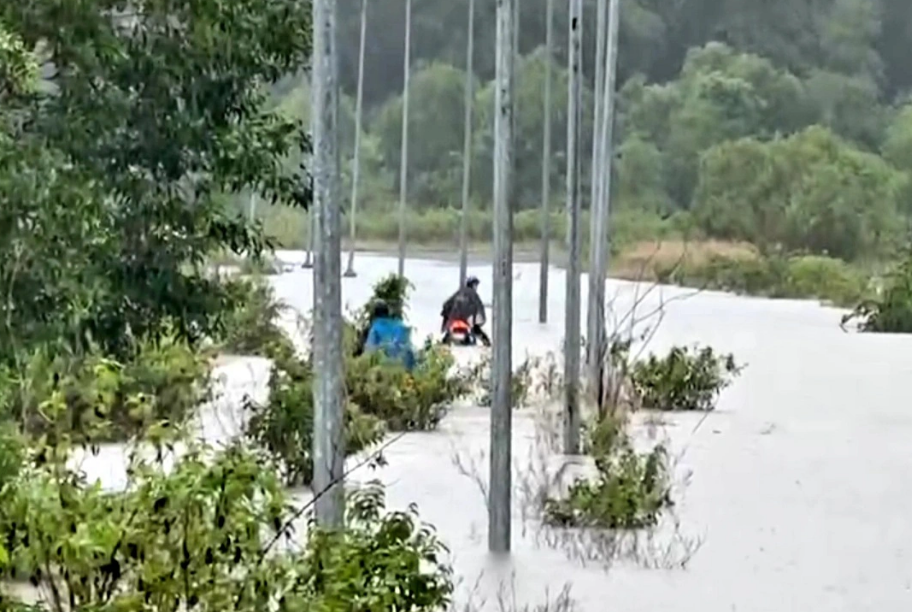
(394, 338)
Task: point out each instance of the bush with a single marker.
(379, 562)
(201, 534)
(392, 289)
(891, 312)
(284, 426)
(773, 276)
(825, 278)
(684, 379)
(163, 380)
(250, 326)
(405, 400)
(630, 490)
(520, 382)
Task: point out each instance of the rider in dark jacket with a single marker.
(466, 305)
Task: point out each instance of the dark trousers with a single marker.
(481, 335)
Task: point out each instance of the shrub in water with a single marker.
(203, 534)
(284, 426)
(405, 400)
(630, 489)
(163, 379)
(520, 381)
(685, 379)
(250, 326)
(380, 561)
(891, 312)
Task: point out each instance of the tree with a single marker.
(849, 105)
(529, 131)
(111, 175)
(436, 128)
(721, 95)
(809, 191)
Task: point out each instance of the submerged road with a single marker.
(800, 484)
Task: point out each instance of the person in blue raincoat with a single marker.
(390, 335)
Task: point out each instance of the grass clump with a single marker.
(284, 425)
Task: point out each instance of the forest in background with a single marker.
(777, 127)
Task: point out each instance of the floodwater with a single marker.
(800, 483)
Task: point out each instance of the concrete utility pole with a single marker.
(328, 449)
(598, 355)
(595, 311)
(251, 211)
(311, 230)
(356, 162)
(403, 159)
(467, 148)
(499, 519)
(572, 314)
(546, 171)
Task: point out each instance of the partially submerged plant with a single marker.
(891, 311)
(685, 379)
(630, 489)
(382, 394)
(520, 381)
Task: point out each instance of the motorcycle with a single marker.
(459, 332)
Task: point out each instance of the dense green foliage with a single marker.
(774, 276)
(684, 379)
(630, 489)
(111, 166)
(200, 535)
(891, 310)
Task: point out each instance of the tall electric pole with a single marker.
(546, 170)
(251, 211)
(572, 314)
(403, 159)
(599, 341)
(595, 311)
(499, 518)
(356, 162)
(311, 230)
(467, 148)
(328, 442)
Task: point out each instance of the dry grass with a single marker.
(641, 260)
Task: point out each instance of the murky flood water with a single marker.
(800, 482)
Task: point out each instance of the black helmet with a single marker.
(381, 309)
(472, 281)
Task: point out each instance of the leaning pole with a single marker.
(328, 442)
(499, 505)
